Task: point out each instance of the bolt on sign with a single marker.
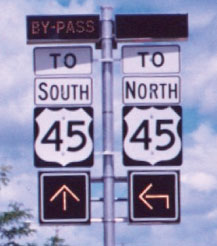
(154, 196)
(63, 28)
(64, 197)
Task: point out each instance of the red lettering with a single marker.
(80, 26)
(35, 27)
(70, 27)
(90, 26)
(45, 26)
(60, 25)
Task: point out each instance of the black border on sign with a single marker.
(38, 162)
(67, 103)
(176, 219)
(176, 161)
(150, 46)
(58, 48)
(85, 221)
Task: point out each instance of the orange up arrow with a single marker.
(64, 190)
(144, 196)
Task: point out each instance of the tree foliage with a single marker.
(55, 241)
(14, 225)
(4, 171)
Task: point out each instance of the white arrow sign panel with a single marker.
(151, 59)
(62, 60)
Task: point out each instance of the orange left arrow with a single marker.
(143, 196)
(64, 190)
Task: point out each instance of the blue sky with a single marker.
(199, 101)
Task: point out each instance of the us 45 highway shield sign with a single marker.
(63, 137)
(152, 136)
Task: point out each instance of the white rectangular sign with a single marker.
(151, 59)
(151, 90)
(62, 60)
(62, 91)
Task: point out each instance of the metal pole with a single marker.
(108, 166)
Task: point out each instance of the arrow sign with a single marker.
(154, 196)
(64, 197)
(63, 190)
(143, 196)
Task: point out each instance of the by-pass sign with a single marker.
(68, 28)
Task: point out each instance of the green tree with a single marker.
(14, 223)
(55, 241)
(4, 171)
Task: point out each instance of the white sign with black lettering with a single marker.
(62, 60)
(63, 137)
(61, 91)
(152, 136)
(151, 59)
(151, 90)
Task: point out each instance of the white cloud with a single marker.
(199, 86)
(21, 188)
(201, 154)
(198, 172)
(200, 181)
(198, 18)
(212, 214)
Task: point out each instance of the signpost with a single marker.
(154, 196)
(152, 120)
(64, 197)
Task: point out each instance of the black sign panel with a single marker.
(154, 196)
(64, 197)
(148, 27)
(67, 28)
